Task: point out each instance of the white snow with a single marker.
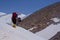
(32, 28)
(50, 31)
(7, 32)
(55, 19)
(22, 16)
(1, 13)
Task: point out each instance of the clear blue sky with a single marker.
(24, 6)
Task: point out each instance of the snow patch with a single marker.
(55, 19)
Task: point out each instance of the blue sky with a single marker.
(24, 6)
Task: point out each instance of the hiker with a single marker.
(14, 16)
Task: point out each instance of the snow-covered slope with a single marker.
(51, 30)
(1, 13)
(7, 32)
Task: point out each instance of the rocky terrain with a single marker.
(40, 19)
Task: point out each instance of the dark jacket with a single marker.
(14, 16)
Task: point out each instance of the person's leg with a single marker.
(14, 23)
